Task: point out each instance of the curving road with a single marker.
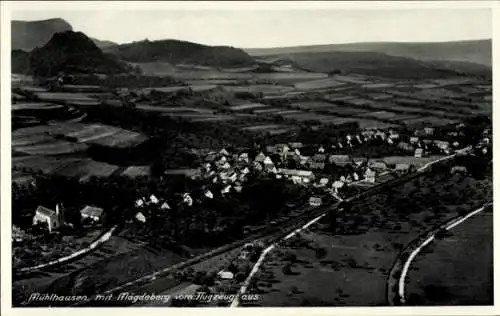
(397, 277)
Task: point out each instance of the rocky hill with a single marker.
(72, 52)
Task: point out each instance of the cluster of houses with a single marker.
(54, 219)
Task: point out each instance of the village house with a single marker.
(165, 206)
(257, 166)
(339, 160)
(370, 175)
(379, 166)
(402, 168)
(296, 145)
(429, 131)
(226, 190)
(419, 153)
(225, 275)
(381, 135)
(243, 157)
(323, 181)
(458, 170)
(139, 203)
(337, 186)
(413, 140)
(315, 201)
(316, 165)
(224, 152)
(319, 157)
(140, 217)
(355, 176)
(186, 198)
(209, 194)
(91, 212)
(153, 199)
(406, 147)
(53, 219)
(271, 149)
(238, 188)
(260, 157)
(321, 149)
(443, 145)
(297, 176)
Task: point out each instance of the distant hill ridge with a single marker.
(472, 51)
(27, 35)
(181, 52)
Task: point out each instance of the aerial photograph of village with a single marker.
(251, 158)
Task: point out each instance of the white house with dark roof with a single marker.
(315, 201)
(140, 217)
(260, 157)
(419, 153)
(209, 194)
(186, 198)
(153, 199)
(165, 206)
(370, 175)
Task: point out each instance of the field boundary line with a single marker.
(77, 254)
(401, 267)
(259, 262)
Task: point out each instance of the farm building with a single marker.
(186, 198)
(297, 176)
(419, 153)
(402, 168)
(414, 140)
(339, 160)
(378, 166)
(53, 219)
(243, 157)
(370, 175)
(296, 145)
(429, 130)
(323, 181)
(165, 206)
(442, 144)
(319, 157)
(459, 170)
(315, 201)
(209, 194)
(316, 165)
(153, 199)
(140, 217)
(225, 275)
(260, 157)
(338, 186)
(91, 212)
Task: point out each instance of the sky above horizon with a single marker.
(271, 28)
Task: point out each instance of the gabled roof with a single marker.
(402, 166)
(42, 210)
(92, 211)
